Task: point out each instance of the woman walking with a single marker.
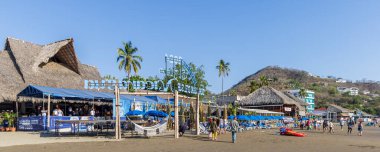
(360, 128)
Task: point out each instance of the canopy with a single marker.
(156, 113)
(74, 94)
(260, 111)
(231, 117)
(242, 117)
(135, 113)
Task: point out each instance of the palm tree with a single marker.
(303, 93)
(128, 59)
(264, 81)
(224, 69)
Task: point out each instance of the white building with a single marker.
(353, 91)
(366, 92)
(340, 80)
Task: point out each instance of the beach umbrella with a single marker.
(135, 113)
(156, 113)
(162, 114)
(231, 117)
(260, 117)
(252, 117)
(242, 117)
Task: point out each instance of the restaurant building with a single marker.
(268, 98)
(53, 65)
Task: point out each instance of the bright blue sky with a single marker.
(340, 38)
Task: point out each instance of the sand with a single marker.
(257, 140)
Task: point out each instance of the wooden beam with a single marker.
(48, 112)
(197, 116)
(176, 123)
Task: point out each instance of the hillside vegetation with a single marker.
(325, 89)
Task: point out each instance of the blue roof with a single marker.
(74, 94)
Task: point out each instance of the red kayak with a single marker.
(290, 132)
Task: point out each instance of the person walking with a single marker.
(214, 129)
(350, 125)
(331, 127)
(341, 123)
(308, 127)
(234, 129)
(360, 128)
(325, 124)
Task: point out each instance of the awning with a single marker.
(260, 111)
(74, 94)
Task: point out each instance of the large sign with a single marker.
(37, 123)
(142, 85)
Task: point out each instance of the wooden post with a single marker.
(197, 116)
(48, 112)
(117, 104)
(176, 121)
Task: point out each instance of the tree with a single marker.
(128, 59)
(223, 69)
(264, 81)
(233, 109)
(302, 93)
(254, 86)
(109, 77)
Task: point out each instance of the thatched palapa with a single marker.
(54, 65)
(267, 96)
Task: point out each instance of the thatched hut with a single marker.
(268, 98)
(56, 65)
(336, 112)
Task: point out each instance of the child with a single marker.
(331, 126)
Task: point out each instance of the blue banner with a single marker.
(69, 127)
(37, 123)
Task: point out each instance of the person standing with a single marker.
(331, 127)
(360, 128)
(214, 129)
(234, 129)
(341, 123)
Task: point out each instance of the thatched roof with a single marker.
(268, 96)
(55, 65)
(302, 102)
(336, 108)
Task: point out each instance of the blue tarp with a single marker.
(74, 94)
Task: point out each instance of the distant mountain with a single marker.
(325, 88)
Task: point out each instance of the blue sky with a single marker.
(340, 38)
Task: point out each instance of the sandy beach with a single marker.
(256, 140)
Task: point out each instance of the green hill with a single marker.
(325, 88)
